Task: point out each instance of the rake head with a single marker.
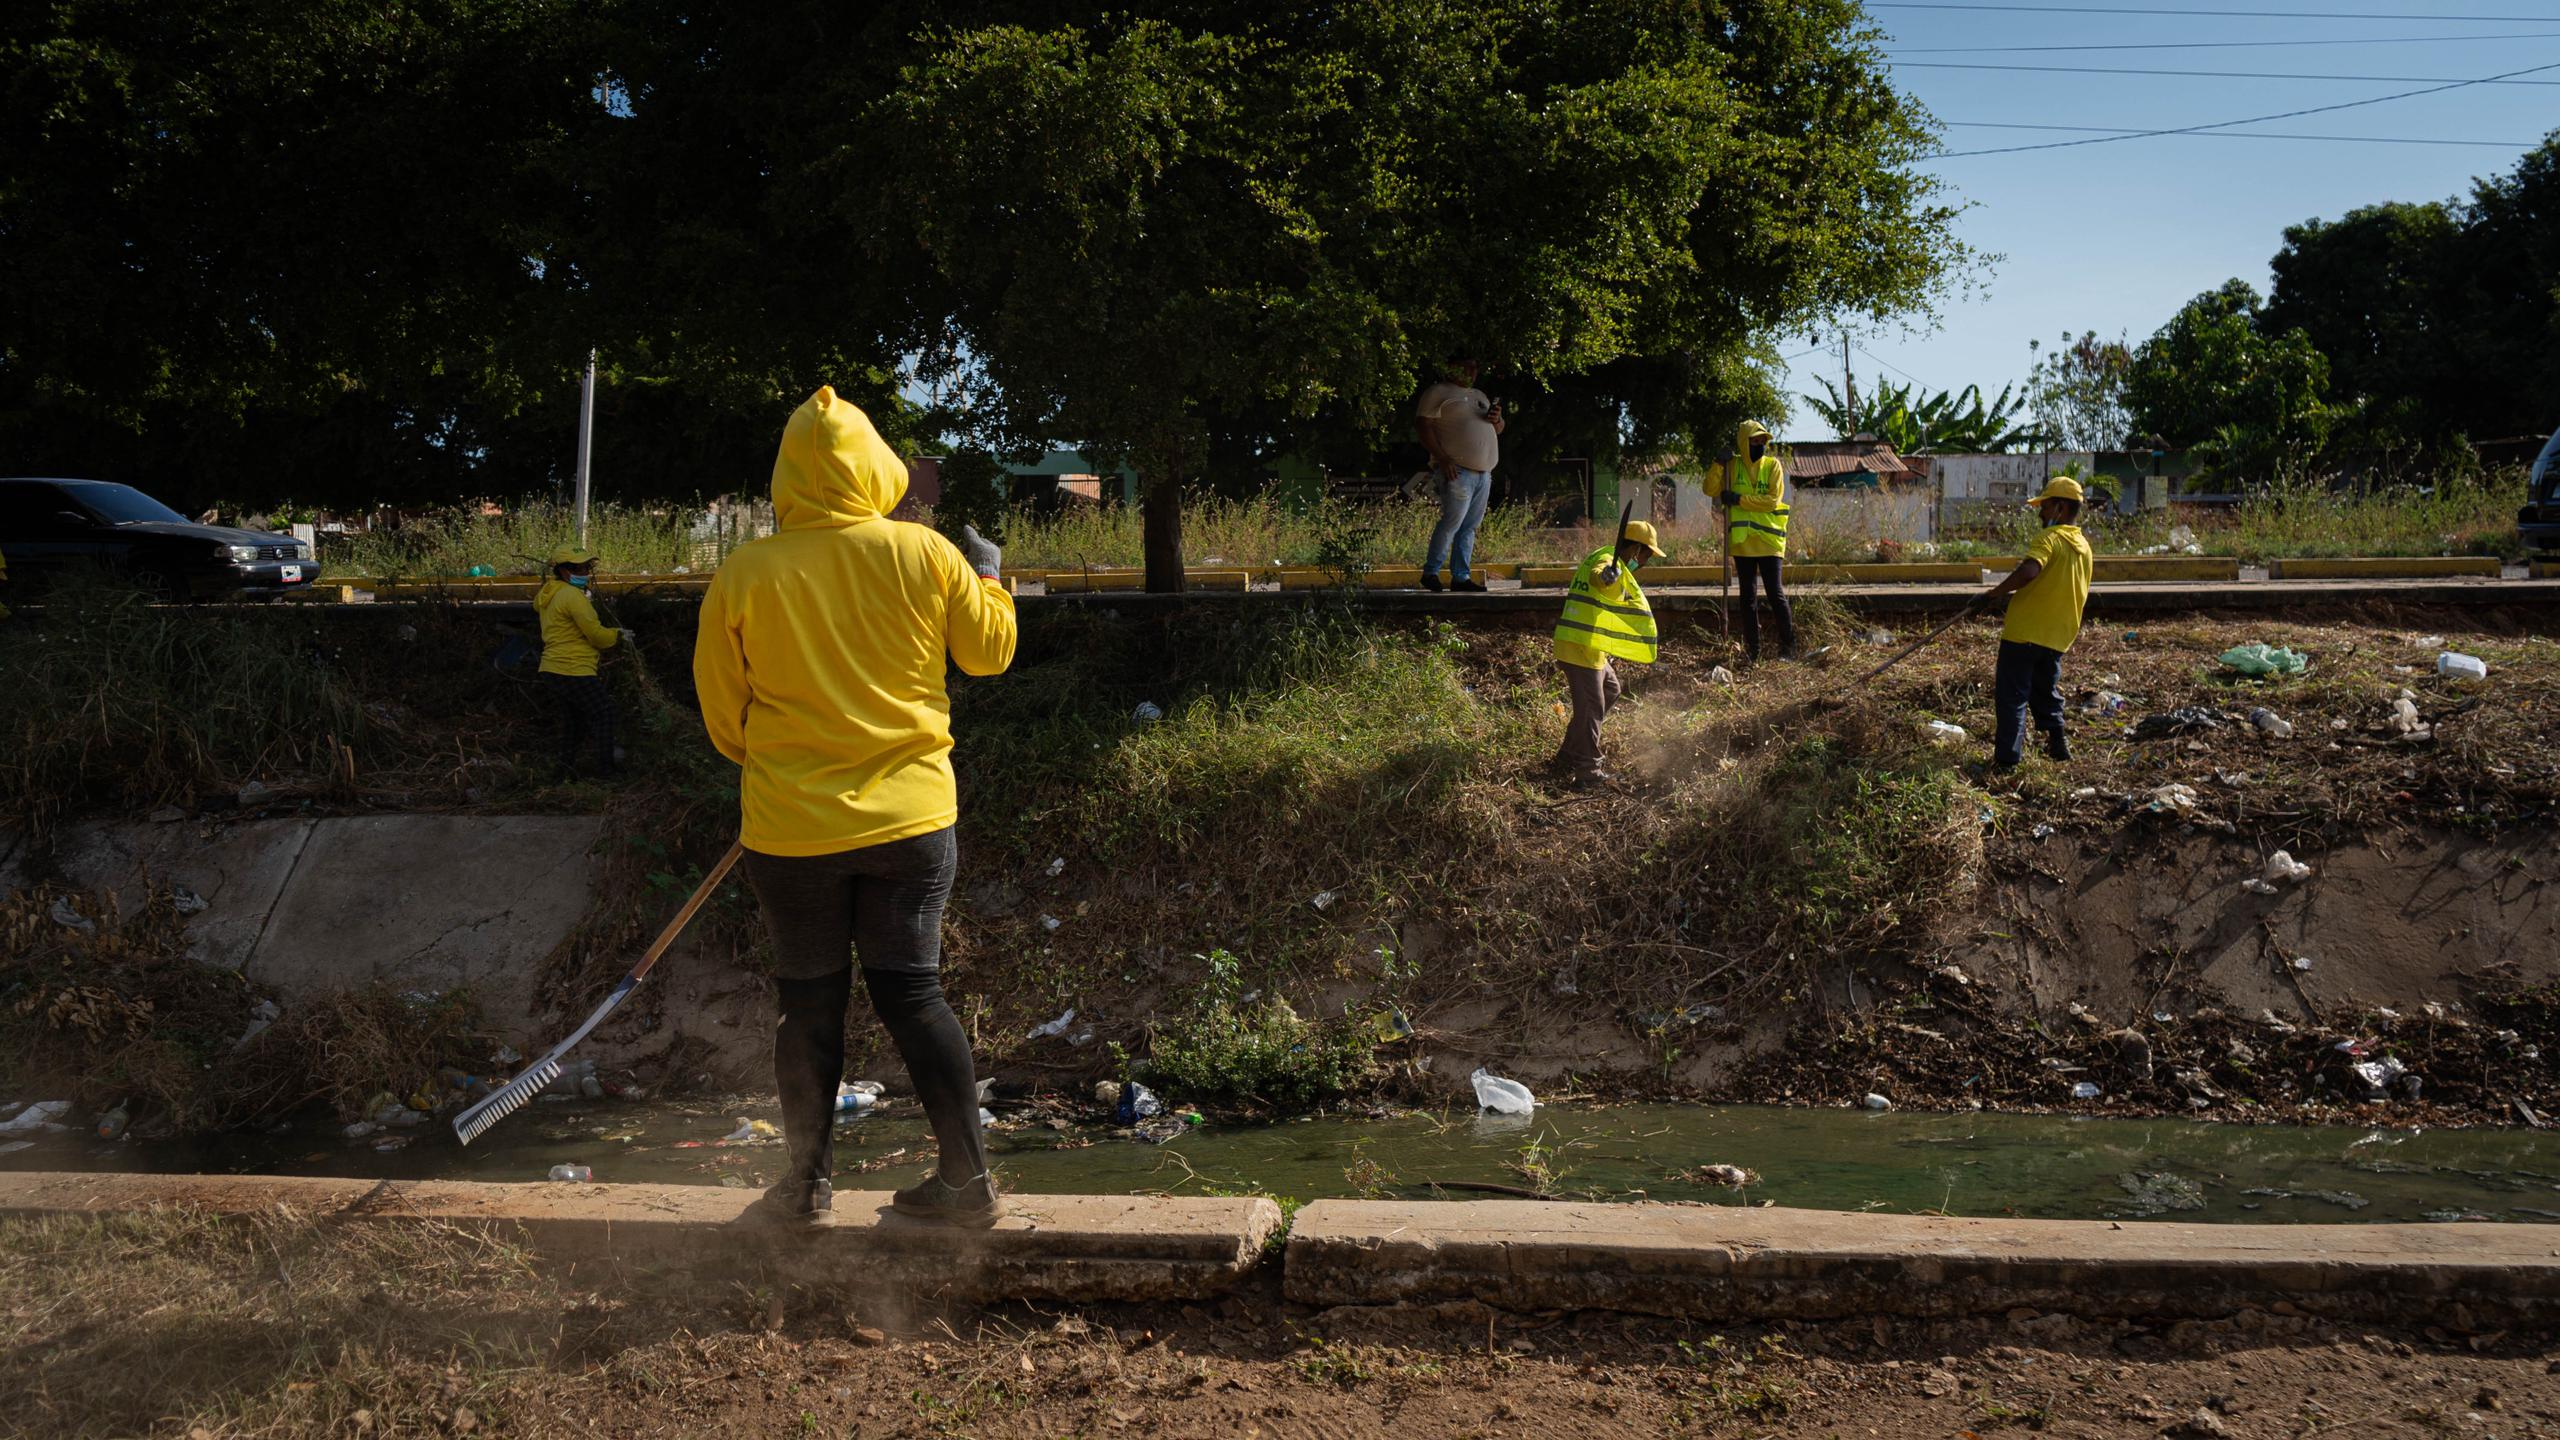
(471, 1124)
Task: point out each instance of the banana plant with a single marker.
(1947, 423)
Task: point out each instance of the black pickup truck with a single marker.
(2539, 521)
(50, 528)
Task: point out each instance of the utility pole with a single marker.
(1848, 387)
(586, 442)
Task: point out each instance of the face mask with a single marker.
(578, 580)
(1759, 448)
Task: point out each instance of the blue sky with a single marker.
(2116, 236)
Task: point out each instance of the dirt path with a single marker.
(179, 1325)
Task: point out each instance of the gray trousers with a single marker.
(1592, 692)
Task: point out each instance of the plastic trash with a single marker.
(986, 1117)
(1057, 867)
(574, 1079)
(2404, 718)
(1946, 734)
(12, 1147)
(1732, 1175)
(2181, 537)
(1054, 1027)
(42, 1116)
(2281, 866)
(1876, 1102)
(2256, 886)
(2378, 1075)
(751, 1131)
(1877, 636)
(2177, 722)
(1502, 1097)
(2454, 665)
(361, 1129)
(2302, 962)
(1720, 676)
(112, 1125)
(2085, 1090)
(63, 913)
(186, 901)
(1050, 922)
(854, 1102)
(1147, 713)
(1136, 1103)
(2271, 723)
(2265, 660)
(577, 1174)
(2171, 800)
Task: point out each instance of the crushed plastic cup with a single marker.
(2256, 886)
(1720, 676)
(1502, 1097)
(2270, 723)
(2454, 665)
(574, 1174)
(1054, 1027)
(1946, 734)
(2283, 868)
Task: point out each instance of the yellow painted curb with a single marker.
(2387, 567)
(1909, 572)
(1546, 574)
(1070, 582)
(2166, 567)
(2546, 569)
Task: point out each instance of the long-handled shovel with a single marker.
(513, 1095)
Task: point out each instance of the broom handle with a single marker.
(701, 893)
(1915, 646)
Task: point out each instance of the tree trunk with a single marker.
(1163, 512)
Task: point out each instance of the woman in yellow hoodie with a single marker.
(1752, 488)
(573, 639)
(820, 666)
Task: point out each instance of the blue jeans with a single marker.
(1462, 503)
(2029, 677)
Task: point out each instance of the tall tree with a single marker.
(2214, 378)
(1221, 218)
(2077, 392)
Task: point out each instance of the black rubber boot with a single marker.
(2057, 745)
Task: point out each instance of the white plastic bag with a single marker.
(1502, 1097)
(2281, 866)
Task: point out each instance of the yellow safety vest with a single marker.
(1759, 532)
(1622, 627)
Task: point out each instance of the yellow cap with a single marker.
(572, 555)
(2060, 487)
(1643, 533)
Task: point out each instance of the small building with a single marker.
(1864, 461)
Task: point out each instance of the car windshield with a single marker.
(124, 505)
(2546, 468)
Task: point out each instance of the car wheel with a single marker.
(164, 586)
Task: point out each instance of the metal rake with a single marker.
(471, 1124)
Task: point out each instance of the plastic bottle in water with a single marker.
(111, 1126)
(576, 1174)
(854, 1102)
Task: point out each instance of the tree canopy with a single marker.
(314, 248)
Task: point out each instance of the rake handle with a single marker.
(1915, 646)
(693, 903)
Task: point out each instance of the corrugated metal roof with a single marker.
(1821, 459)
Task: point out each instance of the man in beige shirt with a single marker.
(1462, 431)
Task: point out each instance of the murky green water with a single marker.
(1971, 1164)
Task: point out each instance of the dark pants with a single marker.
(2029, 677)
(1592, 693)
(882, 904)
(585, 711)
(1754, 571)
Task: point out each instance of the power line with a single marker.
(2199, 74)
(1896, 369)
(2215, 14)
(2246, 135)
(2250, 120)
(2214, 44)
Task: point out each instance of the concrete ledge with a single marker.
(1804, 1264)
(1063, 582)
(1053, 1247)
(1909, 572)
(2393, 567)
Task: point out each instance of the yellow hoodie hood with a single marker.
(1745, 433)
(833, 469)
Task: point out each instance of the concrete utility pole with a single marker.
(586, 442)
(1848, 385)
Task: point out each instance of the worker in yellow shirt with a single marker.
(1752, 487)
(573, 639)
(2050, 589)
(1605, 617)
(820, 665)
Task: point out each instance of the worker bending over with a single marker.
(2050, 588)
(820, 664)
(573, 639)
(1752, 487)
(1605, 617)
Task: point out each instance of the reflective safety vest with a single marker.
(1620, 626)
(1759, 532)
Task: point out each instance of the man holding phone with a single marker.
(1461, 429)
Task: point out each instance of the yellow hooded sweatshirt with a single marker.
(1759, 518)
(819, 662)
(571, 634)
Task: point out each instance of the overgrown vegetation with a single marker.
(106, 1009)
(1252, 1051)
(2296, 517)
